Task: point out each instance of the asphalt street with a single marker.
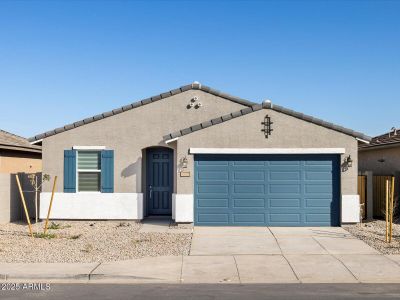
(204, 292)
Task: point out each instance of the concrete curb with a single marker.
(209, 269)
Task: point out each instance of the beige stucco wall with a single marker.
(13, 162)
(368, 160)
(288, 132)
(130, 132)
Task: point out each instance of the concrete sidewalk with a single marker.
(306, 268)
(235, 255)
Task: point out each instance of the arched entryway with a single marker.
(159, 180)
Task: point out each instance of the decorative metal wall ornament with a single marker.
(267, 126)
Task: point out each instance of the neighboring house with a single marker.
(199, 155)
(382, 155)
(18, 155)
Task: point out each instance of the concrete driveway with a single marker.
(282, 254)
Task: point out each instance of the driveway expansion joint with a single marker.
(237, 269)
(91, 272)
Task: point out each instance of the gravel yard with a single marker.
(373, 233)
(82, 241)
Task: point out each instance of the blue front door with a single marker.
(273, 190)
(159, 181)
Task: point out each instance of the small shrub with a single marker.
(75, 236)
(88, 248)
(47, 236)
(54, 226)
(123, 224)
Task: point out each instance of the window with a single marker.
(88, 171)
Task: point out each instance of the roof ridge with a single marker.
(193, 86)
(265, 105)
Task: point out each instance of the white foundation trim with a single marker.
(350, 208)
(86, 206)
(267, 150)
(182, 208)
(88, 147)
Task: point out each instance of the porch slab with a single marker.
(209, 269)
(372, 268)
(162, 269)
(300, 245)
(264, 269)
(347, 245)
(320, 269)
(155, 225)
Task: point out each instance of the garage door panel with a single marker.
(213, 162)
(284, 203)
(279, 162)
(322, 188)
(249, 189)
(248, 163)
(318, 203)
(284, 175)
(213, 188)
(285, 218)
(213, 202)
(213, 218)
(275, 190)
(284, 188)
(248, 202)
(249, 218)
(249, 175)
(213, 175)
(318, 175)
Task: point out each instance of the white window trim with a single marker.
(85, 170)
(89, 147)
(267, 150)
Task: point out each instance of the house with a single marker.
(200, 155)
(382, 154)
(16, 155)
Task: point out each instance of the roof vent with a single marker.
(393, 131)
(267, 103)
(196, 84)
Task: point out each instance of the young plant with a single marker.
(47, 236)
(37, 186)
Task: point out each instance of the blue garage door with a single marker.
(273, 190)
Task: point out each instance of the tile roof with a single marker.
(193, 86)
(12, 141)
(387, 139)
(266, 105)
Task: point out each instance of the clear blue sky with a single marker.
(64, 61)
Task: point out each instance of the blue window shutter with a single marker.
(107, 171)
(69, 171)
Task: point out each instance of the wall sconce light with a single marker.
(184, 162)
(349, 161)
